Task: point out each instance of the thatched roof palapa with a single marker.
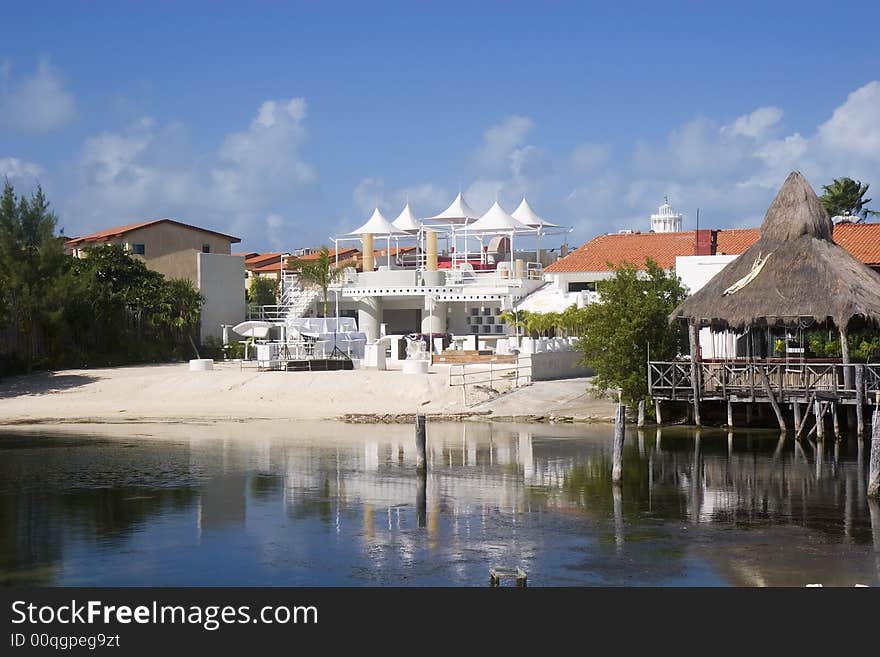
(793, 274)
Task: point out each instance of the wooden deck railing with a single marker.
(726, 379)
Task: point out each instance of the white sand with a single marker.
(172, 393)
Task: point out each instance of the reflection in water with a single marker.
(345, 506)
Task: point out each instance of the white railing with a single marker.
(491, 381)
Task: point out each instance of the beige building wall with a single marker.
(171, 249)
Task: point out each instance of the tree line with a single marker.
(103, 309)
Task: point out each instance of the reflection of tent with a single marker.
(377, 224)
(253, 329)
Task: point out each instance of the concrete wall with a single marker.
(219, 280)
(696, 271)
(550, 365)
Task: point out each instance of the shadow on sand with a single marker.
(42, 384)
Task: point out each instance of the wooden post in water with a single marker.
(819, 414)
(641, 422)
(695, 370)
(748, 414)
(860, 400)
(835, 420)
(769, 390)
(796, 407)
(421, 441)
(657, 412)
(874, 467)
(729, 414)
(619, 437)
(421, 498)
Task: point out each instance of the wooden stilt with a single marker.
(729, 414)
(421, 441)
(860, 400)
(835, 420)
(844, 357)
(796, 408)
(619, 437)
(769, 390)
(695, 371)
(657, 412)
(819, 413)
(800, 428)
(641, 422)
(874, 467)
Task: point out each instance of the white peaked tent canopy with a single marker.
(378, 225)
(458, 212)
(529, 217)
(407, 221)
(496, 219)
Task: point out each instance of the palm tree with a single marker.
(846, 197)
(321, 271)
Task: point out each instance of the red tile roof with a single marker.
(342, 252)
(118, 231)
(862, 240)
(254, 260)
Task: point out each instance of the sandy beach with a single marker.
(171, 393)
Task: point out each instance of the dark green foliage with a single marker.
(262, 291)
(864, 344)
(107, 308)
(846, 196)
(632, 314)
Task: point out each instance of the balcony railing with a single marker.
(726, 379)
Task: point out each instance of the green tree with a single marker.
(632, 314)
(321, 272)
(846, 197)
(263, 291)
(31, 258)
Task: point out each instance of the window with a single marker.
(206, 248)
(580, 287)
(138, 249)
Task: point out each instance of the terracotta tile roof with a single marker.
(252, 261)
(272, 266)
(118, 231)
(862, 240)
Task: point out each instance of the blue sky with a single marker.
(286, 124)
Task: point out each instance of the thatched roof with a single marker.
(804, 275)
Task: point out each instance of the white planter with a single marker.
(528, 346)
(412, 366)
(201, 365)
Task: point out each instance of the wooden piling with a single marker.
(641, 422)
(874, 467)
(796, 409)
(657, 412)
(769, 390)
(695, 371)
(748, 414)
(729, 414)
(619, 437)
(819, 414)
(421, 442)
(860, 400)
(835, 420)
(421, 498)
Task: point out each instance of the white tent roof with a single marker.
(549, 299)
(496, 219)
(458, 212)
(377, 225)
(407, 221)
(529, 217)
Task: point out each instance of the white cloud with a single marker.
(14, 169)
(500, 142)
(38, 103)
(755, 124)
(253, 179)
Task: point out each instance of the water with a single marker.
(290, 504)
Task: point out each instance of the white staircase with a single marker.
(297, 300)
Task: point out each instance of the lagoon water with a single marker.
(291, 504)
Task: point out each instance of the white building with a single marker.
(666, 220)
